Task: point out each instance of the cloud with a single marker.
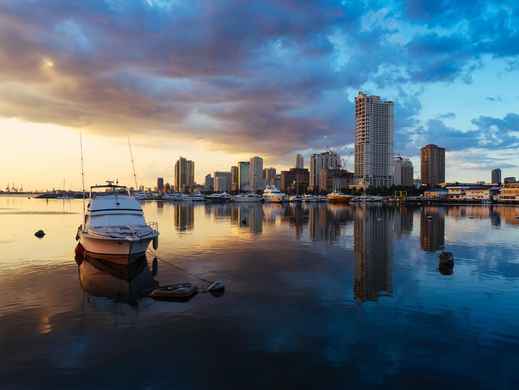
(267, 77)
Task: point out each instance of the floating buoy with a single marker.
(179, 292)
(40, 234)
(156, 242)
(446, 259)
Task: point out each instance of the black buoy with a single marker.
(40, 234)
(446, 263)
(446, 259)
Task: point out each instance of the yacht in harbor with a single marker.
(339, 197)
(114, 227)
(247, 198)
(220, 197)
(273, 195)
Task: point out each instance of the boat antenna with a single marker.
(82, 174)
(133, 164)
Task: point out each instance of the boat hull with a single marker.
(118, 251)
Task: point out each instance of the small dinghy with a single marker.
(179, 292)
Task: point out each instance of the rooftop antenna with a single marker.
(133, 164)
(82, 175)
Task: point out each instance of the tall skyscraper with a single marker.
(269, 176)
(209, 183)
(326, 160)
(256, 174)
(184, 175)
(496, 176)
(160, 185)
(243, 176)
(222, 181)
(300, 161)
(403, 172)
(373, 140)
(432, 161)
(235, 187)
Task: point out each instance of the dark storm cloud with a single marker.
(270, 76)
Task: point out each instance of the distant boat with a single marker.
(339, 197)
(114, 227)
(247, 198)
(273, 195)
(296, 198)
(220, 197)
(309, 198)
(196, 197)
(172, 196)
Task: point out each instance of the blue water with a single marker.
(316, 296)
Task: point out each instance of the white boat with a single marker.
(172, 196)
(196, 197)
(247, 198)
(220, 197)
(114, 228)
(309, 198)
(142, 195)
(273, 195)
(296, 198)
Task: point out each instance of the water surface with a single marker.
(317, 296)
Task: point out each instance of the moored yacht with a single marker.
(339, 197)
(273, 195)
(220, 197)
(247, 198)
(309, 198)
(296, 198)
(114, 227)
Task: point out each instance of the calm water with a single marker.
(317, 297)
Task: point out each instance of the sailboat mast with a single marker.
(82, 175)
(133, 164)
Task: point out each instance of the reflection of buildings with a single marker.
(248, 216)
(432, 229)
(184, 217)
(321, 224)
(403, 221)
(372, 248)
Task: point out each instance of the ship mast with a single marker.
(133, 164)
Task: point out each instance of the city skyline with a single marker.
(264, 88)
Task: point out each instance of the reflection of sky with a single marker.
(289, 303)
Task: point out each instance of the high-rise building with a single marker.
(319, 161)
(403, 172)
(496, 176)
(209, 183)
(235, 187)
(184, 175)
(432, 161)
(294, 181)
(300, 161)
(256, 174)
(334, 180)
(160, 185)
(243, 176)
(269, 176)
(222, 181)
(373, 140)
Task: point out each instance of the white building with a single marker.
(256, 174)
(373, 140)
(403, 172)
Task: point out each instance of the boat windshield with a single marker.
(108, 189)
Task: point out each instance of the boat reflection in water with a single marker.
(123, 283)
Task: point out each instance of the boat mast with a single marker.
(133, 164)
(82, 175)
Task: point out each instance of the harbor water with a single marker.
(317, 296)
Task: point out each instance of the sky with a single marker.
(222, 81)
